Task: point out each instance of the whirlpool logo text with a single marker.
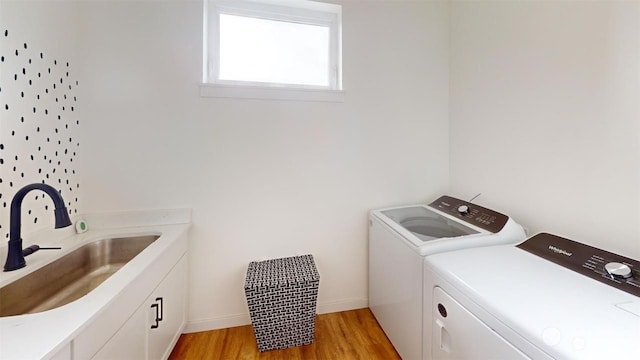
(559, 251)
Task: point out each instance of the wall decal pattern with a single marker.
(39, 127)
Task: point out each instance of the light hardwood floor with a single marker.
(345, 335)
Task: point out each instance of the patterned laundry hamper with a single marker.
(281, 295)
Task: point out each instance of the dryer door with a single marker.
(458, 334)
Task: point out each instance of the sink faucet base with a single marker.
(14, 262)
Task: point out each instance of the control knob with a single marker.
(463, 210)
(618, 270)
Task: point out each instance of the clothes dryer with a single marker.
(547, 298)
(400, 238)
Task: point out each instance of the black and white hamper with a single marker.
(281, 295)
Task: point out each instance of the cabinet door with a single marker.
(130, 342)
(166, 312)
(63, 354)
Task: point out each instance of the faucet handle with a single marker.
(33, 248)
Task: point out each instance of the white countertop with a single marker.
(41, 335)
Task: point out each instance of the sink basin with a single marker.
(70, 277)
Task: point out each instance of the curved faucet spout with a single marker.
(15, 257)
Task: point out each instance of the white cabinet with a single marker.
(166, 312)
(129, 342)
(152, 331)
(63, 354)
(148, 291)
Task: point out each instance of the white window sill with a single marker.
(270, 93)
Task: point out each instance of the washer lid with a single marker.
(427, 225)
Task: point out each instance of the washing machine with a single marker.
(399, 240)
(546, 298)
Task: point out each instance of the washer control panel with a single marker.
(473, 214)
(609, 268)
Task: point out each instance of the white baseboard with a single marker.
(245, 319)
(217, 323)
(341, 305)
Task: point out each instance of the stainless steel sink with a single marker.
(70, 277)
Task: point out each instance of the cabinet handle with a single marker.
(155, 326)
(161, 308)
(158, 305)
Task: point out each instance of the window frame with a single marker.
(302, 12)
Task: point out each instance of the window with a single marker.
(264, 44)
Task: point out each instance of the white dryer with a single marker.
(547, 298)
(399, 240)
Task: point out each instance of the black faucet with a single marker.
(15, 255)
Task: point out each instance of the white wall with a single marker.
(545, 108)
(265, 178)
(40, 111)
(543, 121)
